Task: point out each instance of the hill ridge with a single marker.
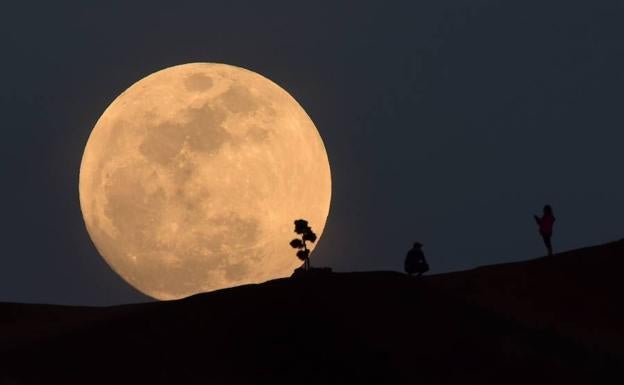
(547, 320)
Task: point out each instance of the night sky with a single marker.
(447, 122)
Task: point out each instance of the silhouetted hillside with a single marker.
(547, 321)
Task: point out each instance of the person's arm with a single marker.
(537, 219)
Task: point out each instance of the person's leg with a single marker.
(548, 243)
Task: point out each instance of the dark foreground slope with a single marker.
(548, 321)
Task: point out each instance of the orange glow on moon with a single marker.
(191, 180)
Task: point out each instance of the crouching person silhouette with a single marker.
(415, 262)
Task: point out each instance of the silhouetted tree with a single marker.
(307, 235)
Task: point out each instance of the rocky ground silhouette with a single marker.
(552, 320)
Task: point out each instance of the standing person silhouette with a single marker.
(415, 262)
(545, 224)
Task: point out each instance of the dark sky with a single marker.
(446, 121)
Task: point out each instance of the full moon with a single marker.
(192, 177)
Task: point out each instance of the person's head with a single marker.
(417, 245)
(548, 210)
